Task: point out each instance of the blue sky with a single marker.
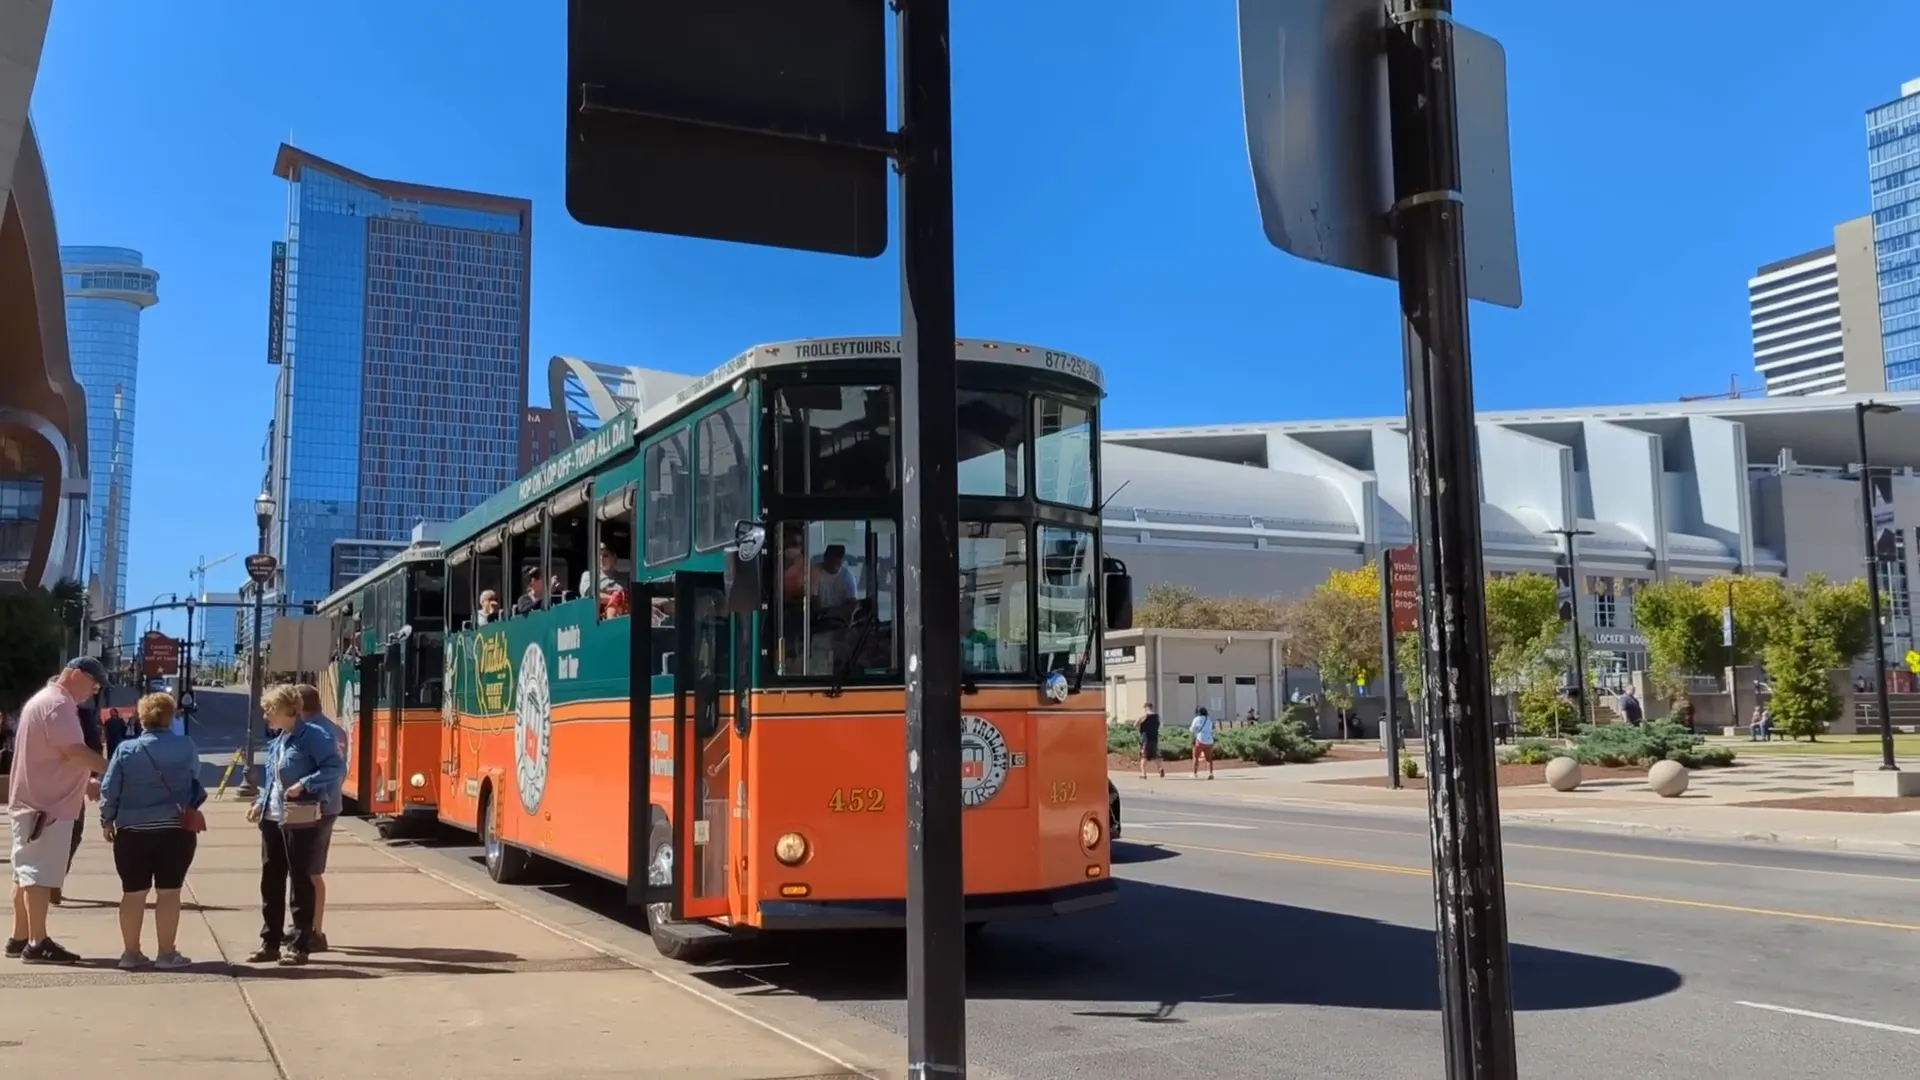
(1104, 206)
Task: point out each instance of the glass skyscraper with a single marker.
(401, 334)
(107, 288)
(1893, 173)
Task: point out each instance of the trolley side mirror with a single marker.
(746, 568)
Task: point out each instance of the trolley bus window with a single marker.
(993, 598)
(725, 491)
(460, 592)
(838, 594)
(1063, 452)
(616, 599)
(1069, 588)
(668, 506)
(993, 444)
(529, 581)
(567, 560)
(426, 666)
(490, 595)
(834, 440)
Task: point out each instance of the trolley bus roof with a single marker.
(419, 552)
(618, 435)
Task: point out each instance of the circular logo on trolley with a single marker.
(984, 760)
(349, 717)
(532, 727)
(449, 666)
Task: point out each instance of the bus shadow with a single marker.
(1168, 945)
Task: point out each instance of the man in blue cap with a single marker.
(53, 769)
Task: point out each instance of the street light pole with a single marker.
(1573, 597)
(263, 508)
(1860, 411)
(186, 674)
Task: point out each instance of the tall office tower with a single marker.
(398, 318)
(1893, 177)
(107, 288)
(1816, 318)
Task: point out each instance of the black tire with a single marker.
(671, 944)
(506, 864)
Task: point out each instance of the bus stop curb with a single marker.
(857, 1061)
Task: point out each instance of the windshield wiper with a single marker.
(844, 666)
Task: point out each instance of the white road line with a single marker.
(1185, 825)
(1874, 1024)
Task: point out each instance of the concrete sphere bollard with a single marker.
(1667, 779)
(1563, 774)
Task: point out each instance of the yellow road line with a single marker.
(1670, 901)
(1558, 848)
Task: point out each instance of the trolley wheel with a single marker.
(687, 942)
(506, 864)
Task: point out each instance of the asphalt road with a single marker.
(1255, 942)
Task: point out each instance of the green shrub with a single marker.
(1616, 745)
(1704, 756)
(1534, 752)
(1410, 768)
(1269, 742)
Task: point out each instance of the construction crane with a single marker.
(199, 572)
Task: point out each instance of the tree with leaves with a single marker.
(1180, 607)
(1799, 655)
(37, 628)
(1337, 629)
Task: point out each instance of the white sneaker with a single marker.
(172, 961)
(130, 961)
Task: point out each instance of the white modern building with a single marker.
(1816, 318)
(1687, 490)
(591, 392)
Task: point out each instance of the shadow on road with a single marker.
(1125, 851)
(1245, 951)
(1240, 951)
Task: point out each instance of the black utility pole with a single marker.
(1476, 994)
(1573, 618)
(930, 560)
(1860, 411)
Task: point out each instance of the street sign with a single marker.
(159, 654)
(756, 121)
(260, 568)
(1313, 83)
(1403, 566)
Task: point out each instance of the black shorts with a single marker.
(153, 858)
(305, 847)
(1150, 749)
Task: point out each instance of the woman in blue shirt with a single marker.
(304, 770)
(151, 781)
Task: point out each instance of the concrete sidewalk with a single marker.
(1621, 809)
(427, 980)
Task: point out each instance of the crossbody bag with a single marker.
(191, 819)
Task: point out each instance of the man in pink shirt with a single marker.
(52, 769)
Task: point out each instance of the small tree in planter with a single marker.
(1804, 701)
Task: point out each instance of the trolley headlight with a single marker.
(418, 780)
(790, 849)
(1089, 832)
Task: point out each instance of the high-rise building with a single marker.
(107, 289)
(1816, 318)
(1893, 178)
(215, 636)
(544, 432)
(399, 322)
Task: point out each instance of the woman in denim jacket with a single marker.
(304, 770)
(152, 778)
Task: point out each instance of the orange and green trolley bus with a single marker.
(692, 684)
(385, 684)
